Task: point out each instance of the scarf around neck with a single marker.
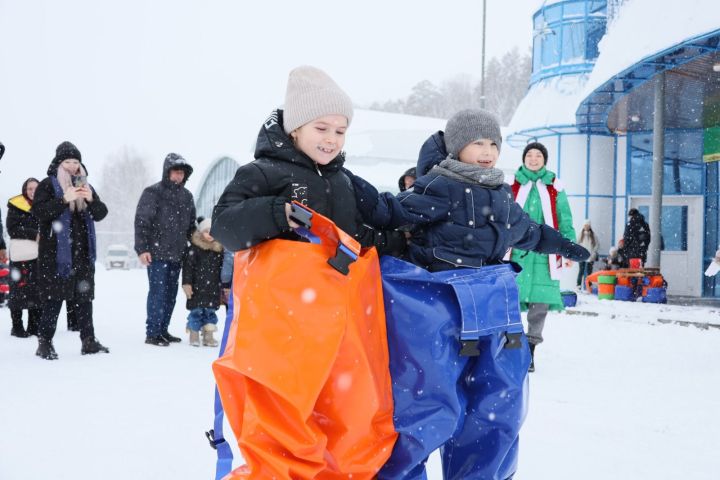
(470, 173)
(64, 238)
(524, 175)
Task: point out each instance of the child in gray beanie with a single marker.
(299, 157)
(462, 217)
(467, 126)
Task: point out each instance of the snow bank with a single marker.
(615, 395)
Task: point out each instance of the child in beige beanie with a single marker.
(299, 157)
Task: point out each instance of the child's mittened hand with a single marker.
(573, 251)
(188, 290)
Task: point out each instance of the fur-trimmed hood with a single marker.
(200, 242)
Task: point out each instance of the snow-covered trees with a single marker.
(506, 80)
(124, 176)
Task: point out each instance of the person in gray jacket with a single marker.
(164, 222)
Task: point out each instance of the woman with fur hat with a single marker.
(67, 208)
(22, 228)
(538, 191)
(299, 157)
(201, 285)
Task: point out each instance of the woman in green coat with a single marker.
(540, 194)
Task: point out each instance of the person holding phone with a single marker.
(67, 249)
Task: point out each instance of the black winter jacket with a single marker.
(201, 270)
(252, 207)
(20, 223)
(165, 217)
(636, 237)
(47, 208)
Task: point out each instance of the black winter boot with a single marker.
(19, 331)
(170, 338)
(90, 345)
(158, 341)
(532, 358)
(46, 350)
(17, 325)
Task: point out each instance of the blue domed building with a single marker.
(626, 97)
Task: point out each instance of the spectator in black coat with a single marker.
(636, 238)
(201, 284)
(67, 208)
(22, 228)
(164, 222)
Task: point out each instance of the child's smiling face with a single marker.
(322, 139)
(483, 152)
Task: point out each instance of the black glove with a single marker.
(552, 242)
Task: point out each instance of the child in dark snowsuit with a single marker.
(201, 284)
(471, 403)
(299, 157)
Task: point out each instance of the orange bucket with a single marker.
(606, 291)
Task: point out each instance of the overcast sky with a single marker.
(199, 77)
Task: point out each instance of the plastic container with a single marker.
(607, 279)
(655, 295)
(569, 298)
(635, 263)
(606, 291)
(624, 293)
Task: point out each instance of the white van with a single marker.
(117, 256)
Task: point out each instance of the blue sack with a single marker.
(471, 406)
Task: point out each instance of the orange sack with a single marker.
(304, 379)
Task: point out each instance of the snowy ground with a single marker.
(618, 395)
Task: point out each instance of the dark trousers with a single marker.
(163, 278)
(72, 322)
(585, 269)
(51, 311)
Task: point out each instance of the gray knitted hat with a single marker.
(311, 94)
(468, 126)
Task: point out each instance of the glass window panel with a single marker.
(595, 32)
(553, 13)
(573, 43)
(597, 7)
(537, 22)
(680, 176)
(574, 9)
(550, 53)
(674, 227)
(536, 54)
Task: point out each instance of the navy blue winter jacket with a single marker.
(457, 224)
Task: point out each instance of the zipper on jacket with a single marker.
(329, 189)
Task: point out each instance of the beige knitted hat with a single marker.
(311, 94)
